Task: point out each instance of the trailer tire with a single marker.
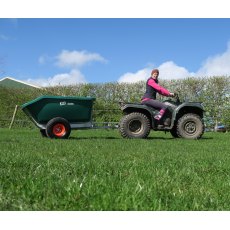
(58, 128)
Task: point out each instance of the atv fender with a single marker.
(147, 110)
(188, 107)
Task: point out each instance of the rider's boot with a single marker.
(159, 115)
(162, 118)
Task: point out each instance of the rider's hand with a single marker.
(172, 95)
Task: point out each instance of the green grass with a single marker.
(99, 170)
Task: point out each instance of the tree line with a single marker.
(214, 92)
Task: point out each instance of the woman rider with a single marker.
(149, 98)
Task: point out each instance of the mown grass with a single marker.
(99, 170)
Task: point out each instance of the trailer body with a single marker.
(76, 110)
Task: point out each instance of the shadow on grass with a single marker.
(146, 139)
(94, 138)
(207, 138)
(161, 138)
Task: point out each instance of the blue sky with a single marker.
(68, 51)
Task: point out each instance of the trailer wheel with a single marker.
(59, 128)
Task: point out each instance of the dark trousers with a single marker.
(155, 104)
(164, 112)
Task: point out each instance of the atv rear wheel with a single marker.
(58, 127)
(190, 126)
(134, 125)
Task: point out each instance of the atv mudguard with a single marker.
(188, 107)
(149, 111)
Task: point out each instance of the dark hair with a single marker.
(154, 71)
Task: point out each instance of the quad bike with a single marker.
(185, 119)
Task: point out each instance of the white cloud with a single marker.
(135, 77)
(168, 70)
(217, 65)
(76, 59)
(71, 78)
(70, 59)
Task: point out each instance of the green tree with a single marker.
(216, 94)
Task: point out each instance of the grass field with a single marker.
(99, 170)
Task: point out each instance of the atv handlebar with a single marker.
(176, 96)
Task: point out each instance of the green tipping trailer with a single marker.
(55, 116)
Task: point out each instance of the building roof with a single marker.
(13, 83)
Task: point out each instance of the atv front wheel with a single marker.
(134, 125)
(190, 126)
